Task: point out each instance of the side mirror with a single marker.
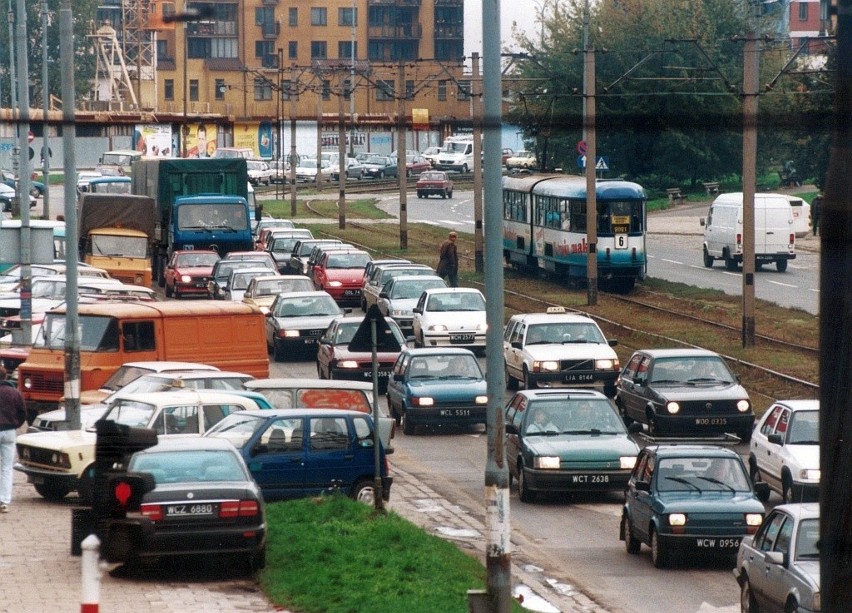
(635, 428)
(398, 377)
(761, 490)
(612, 342)
(516, 345)
(640, 379)
(775, 439)
(417, 310)
(702, 221)
(383, 294)
(642, 486)
(512, 429)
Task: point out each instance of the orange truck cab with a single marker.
(227, 335)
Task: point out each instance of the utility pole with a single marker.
(341, 156)
(590, 136)
(24, 178)
(72, 318)
(835, 422)
(750, 82)
(352, 82)
(400, 158)
(45, 96)
(294, 156)
(320, 93)
(476, 105)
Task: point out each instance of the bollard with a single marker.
(477, 601)
(91, 575)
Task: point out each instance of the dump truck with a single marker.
(117, 233)
(201, 204)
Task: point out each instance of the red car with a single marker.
(416, 164)
(188, 272)
(340, 273)
(434, 182)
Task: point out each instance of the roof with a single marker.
(689, 450)
(421, 351)
(800, 405)
(679, 352)
(164, 366)
(801, 510)
(549, 318)
(453, 290)
(301, 412)
(305, 383)
(158, 309)
(187, 396)
(561, 393)
(179, 443)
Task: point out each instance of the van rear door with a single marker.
(773, 223)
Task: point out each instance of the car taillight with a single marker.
(238, 508)
(154, 512)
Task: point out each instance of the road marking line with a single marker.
(672, 261)
(782, 284)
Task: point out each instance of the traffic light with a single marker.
(126, 491)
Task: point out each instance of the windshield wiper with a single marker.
(684, 481)
(718, 482)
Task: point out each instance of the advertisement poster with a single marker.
(201, 140)
(153, 140)
(258, 137)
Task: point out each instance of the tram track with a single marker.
(526, 294)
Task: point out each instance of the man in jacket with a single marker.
(448, 260)
(13, 414)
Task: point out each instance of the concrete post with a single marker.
(90, 593)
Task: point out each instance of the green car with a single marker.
(688, 501)
(566, 440)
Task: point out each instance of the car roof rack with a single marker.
(722, 439)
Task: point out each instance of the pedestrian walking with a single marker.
(13, 414)
(816, 211)
(448, 260)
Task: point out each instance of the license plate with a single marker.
(454, 413)
(718, 543)
(311, 341)
(462, 338)
(579, 378)
(190, 510)
(593, 479)
(711, 421)
(351, 292)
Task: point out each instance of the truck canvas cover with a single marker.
(117, 211)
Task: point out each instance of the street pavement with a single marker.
(40, 574)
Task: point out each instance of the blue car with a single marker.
(36, 187)
(437, 386)
(294, 453)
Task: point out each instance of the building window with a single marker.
(293, 17)
(409, 90)
(193, 90)
(347, 89)
(262, 89)
(262, 50)
(464, 91)
(319, 49)
(163, 52)
(216, 36)
(326, 90)
(293, 49)
(169, 89)
(264, 15)
(347, 16)
(345, 50)
(384, 90)
(221, 88)
(442, 90)
(803, 11)
(319, 16)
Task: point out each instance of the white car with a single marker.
(307, 171)
(57, 463)
(450, 317)
(784, 449)
(558, 349)
(399, 296)
(522, 159)
(259, 172)
(133, 370)
(9, 194)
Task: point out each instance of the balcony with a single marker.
(449, 31)
(397, 32)
(271, 30)
(393, 2)
(270, 2)
(449, 2)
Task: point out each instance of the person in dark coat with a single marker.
(13, 414)
(448, 260)
(816, 212)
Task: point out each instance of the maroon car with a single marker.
(434, 182)
(188, 272)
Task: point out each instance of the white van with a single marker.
(456, 154)
(801, 216)
(774, 234)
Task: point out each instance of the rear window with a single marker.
(317, 398)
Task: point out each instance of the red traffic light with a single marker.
(123, 491)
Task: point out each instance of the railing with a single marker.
(408, 30)
(394, 2)
(449, 31)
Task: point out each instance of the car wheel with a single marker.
(408, 174)
(792, 606)
(394, 413)
(419, 194)
(278, 350)
(781, 265)
(464, 168)
(524, 492)
(528, 382)
(511, 382)
(381, 174)
(631, 543)
(169, 291)
(653, 426)
(86, 486)
(745, 435)
(364, 491)
(177, 294)
(623, 412)
(450, 194)
(363, 304)
(786, 488)
(52, 489)
(419, 342)
(730, 261)
(658, 555)
(708, 259)
(407, 426)
(748, 604)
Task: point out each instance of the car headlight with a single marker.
(546, 462)
(545, 366)
(481, 400)
(482, 328)
(28, 383)
(289, 333)
(606, 365)
(677, 519)
(753, 519)
(438, 328)
(347, 364)
(743, 406)
(424, 401)
(672, 408)
(809, 474)
(627, 462)
(334, 283)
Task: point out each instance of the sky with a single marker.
(521, 11)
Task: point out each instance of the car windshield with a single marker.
(451, 366)
(593, 416)
(539, 334)
(347, 329)
(804, 428)
(375, 160)
(237, 428)
(702, 474)
(691, 371)
(200, 260)
(432, 176)
(409, 290)
(456, 301)
(807, 541)
(312, 306)
(350, 260)
(130, 413)
(97, 333)
(123, 376)
(190, 466)
(277, 286)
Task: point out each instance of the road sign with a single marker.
(581, 147)
(385, 340)
(601, 163)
